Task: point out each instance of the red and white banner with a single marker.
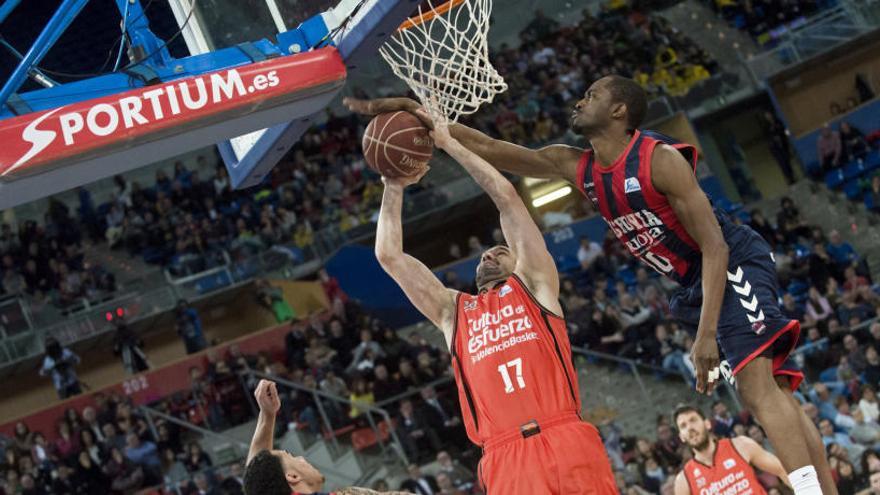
(39, 141)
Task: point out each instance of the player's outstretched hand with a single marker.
(707, 364)
(402, 182)
(384, 105)
(267, 397)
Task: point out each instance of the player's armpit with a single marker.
(681, 485)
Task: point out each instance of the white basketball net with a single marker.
(444, 58)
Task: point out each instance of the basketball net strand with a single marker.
(444, 59)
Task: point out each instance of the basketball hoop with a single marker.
(442, 53)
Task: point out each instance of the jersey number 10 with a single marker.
(516, 364)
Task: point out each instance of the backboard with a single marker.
(254, 64)
(217, 24)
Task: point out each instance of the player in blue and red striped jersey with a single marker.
(645, 186)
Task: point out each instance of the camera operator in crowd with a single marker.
(60, 362)
(129, 346)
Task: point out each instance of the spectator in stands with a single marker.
(443, 418)
(853, 142)
(817, 306)
(272, 298)
(722, 421)
(60, 363)
(143, 454)
(125, 475)
(590, 256)
(195, 458)
(829, 436)
(840, 251)
(460, 477)
(365, 352)
(385, 386)
(418, 483)
(89, 478)
(789, 222)
(760, 225)
(777, 136)
(821, 266)
(829, 148)
(189, 327)
(415, 431)
(361, 397)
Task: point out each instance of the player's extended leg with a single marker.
(779, 417)
(814, 441)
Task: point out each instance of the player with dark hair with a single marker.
(278, 472)
(645, 186)
(720, 465)
(510, 352)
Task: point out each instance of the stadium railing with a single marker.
(816, 35)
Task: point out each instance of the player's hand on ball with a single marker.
(442, 138)
(385, 105)
(267, 397)
(707, 364)
(402, 182)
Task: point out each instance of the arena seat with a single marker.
(834, 179)
(852, 189)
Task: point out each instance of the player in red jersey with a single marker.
(510, 350)
(720, 465)
(645, 187)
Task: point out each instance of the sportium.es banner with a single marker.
(39, 141)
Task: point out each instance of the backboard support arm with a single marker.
(59, 22)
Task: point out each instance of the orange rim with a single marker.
(427, 16)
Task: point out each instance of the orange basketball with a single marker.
(397, 144)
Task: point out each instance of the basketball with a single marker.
(397, 144)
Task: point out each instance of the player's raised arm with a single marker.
(533, 262)
(420, 285)
(269, 402)
(556, 161)
(673, 176)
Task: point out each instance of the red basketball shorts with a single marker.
(565, 457)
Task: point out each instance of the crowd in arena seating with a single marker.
(47, 262)
(849, 159)
(760, 17)
(553, 65)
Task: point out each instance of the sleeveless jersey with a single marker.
(729, 474)
(512, 361)
(641, 217)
